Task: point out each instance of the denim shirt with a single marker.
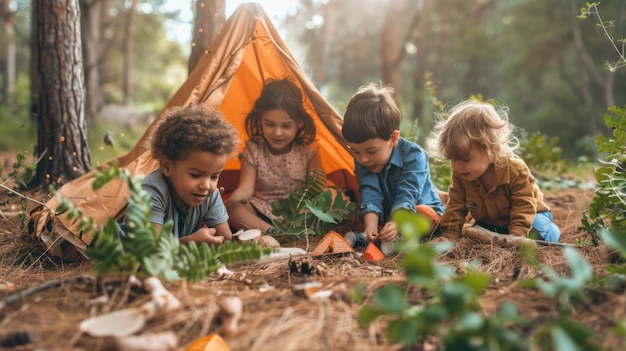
(403, 183)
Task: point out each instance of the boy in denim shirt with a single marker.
(392, 172)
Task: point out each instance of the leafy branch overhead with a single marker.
(137, 248)
(311, 209)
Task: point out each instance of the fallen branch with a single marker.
(505, 240)
(42, 287)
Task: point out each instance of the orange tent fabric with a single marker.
(247, 51)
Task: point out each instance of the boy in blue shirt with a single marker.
(392, 172)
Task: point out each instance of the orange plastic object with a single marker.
(373, 253)
(429, 212)
(212, 342)
(332, 243)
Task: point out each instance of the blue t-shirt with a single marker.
(404, 183)
(211, 212)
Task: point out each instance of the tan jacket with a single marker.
(513, 201)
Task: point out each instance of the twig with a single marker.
(42, 287)
(23, 196)
(505, 240)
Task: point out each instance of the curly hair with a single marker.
(193, 127)
(473, 123)
(371, 113)
(281, 95)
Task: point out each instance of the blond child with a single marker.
(488, 180)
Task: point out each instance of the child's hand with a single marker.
(204, 235)
(388, 232)
(372, 235)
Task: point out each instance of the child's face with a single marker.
(474, 166)
(195, 177)
(279, 130)
(374, 154)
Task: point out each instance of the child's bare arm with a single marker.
(371, 226)
(247, 180)
(315, 163)
(223, 230)
(203, 235)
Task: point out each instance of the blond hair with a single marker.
(473, 123)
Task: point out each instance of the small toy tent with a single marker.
(230, 75)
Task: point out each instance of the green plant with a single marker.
(609, 202)
(540, 153)
(312, 209)
(452, 310)
(140, 249)
(565, 290)
(22, 172)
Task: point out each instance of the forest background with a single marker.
(550, 68)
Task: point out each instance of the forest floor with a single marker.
(274, 316)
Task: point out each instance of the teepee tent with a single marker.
(230, 75)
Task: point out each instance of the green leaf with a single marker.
(477, 281)
(615, 239)
(472, 321)
(391, 298)
(319, 212)
(411, 224)
(403, 331)
(368, 314)
(562, 341)
(509, 312)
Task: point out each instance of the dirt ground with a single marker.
(275, 317)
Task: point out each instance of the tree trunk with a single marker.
(105, 42)
(210, 15)
(61, 128)
(91, 28)
(328, 33)
(128, 52)
(419, 72)
(391, 48)
(8, 24)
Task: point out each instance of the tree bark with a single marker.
(91, 29)
(8, 24)
(128, 53)
(61, 127)
(328, 33)
(391, 47)
(210, 16)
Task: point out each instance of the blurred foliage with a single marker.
(541, 153)
(159, 65)
(534, 56)
(449, 312)
(19, 131)
(123, 137)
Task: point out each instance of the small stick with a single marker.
(42, 287)
(505, 240)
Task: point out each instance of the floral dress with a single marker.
(277, 176)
